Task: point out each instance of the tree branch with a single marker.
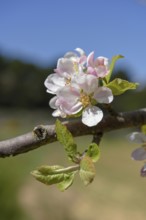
(44, 134)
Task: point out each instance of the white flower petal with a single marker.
(137, 137)
(71, 109)
(103, 95)
(69, 94)
(54, 82)
(88, 83)
(70, 55)
(91, 116)
(58, 113)
(80, 51)
(65, 65)
(139, 154)
(52, 102)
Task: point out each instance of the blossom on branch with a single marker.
(139, 154)
(143, 171)
(76, 84)
(83, 96)
(67, 68)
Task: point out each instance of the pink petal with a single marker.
(90, 59)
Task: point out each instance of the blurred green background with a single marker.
(118, 191)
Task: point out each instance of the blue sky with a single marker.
(43, 30)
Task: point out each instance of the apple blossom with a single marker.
(143, 171)
(67, 68)
(98, 67)
(82, 97)
(75, 84)
(139, 153)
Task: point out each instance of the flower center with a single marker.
(85, 99)
(68, 81)
(76, 69)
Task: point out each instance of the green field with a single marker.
(117, 193)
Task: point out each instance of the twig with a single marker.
(97, 138)
(45, 134)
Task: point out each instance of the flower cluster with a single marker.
(76, 86)
(139, 154)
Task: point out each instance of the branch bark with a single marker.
(45, 134)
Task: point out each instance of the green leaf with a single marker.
(119, 86)
(67, 182)
(114, 59)
(93, 152)
(87, 170)
(49, 176)
(65, 137)
(143, 129)
(48, 179)
(48, 170)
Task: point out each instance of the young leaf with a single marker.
(48, 170)
(65, 137)
(119, 86)
(67, 182)
(114, 59)
(93, 152)
(87, 170)
(48, 179)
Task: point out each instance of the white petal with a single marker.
(58, 113)
(88, 83)
(70, 55)
(69, 94)
(80, 51)
(137, 137)
(70, 109)
(91, 116)
(103, 95)
(65, 65)
(52, 102)
(53, 83)
(139, 154)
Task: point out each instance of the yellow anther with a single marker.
(76, 67)
(85, 99)
(68, 81)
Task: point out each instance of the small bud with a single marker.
(143, 171)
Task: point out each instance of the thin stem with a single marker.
(97, 138)
(111, 111)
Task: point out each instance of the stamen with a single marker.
(67, 81)
(85, 99)
(76, 67)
